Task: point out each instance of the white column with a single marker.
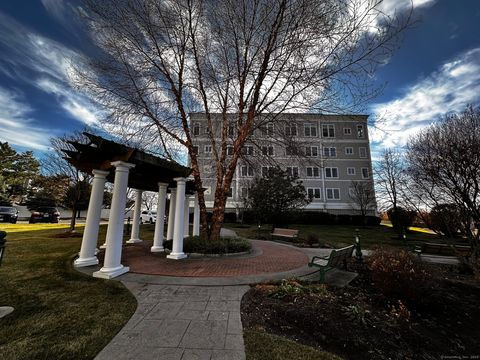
(177, 247)
(171, 214)
(90, 233)
(112, 266)
(160, 222)
(134, 237)
(186, 225)
(196, 216)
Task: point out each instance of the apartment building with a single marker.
(326, 152)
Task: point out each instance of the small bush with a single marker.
(230, 217)
(312, 239)
(401, 219)
(398, 275)
(195, 244)
(288, 287)
(293, 287)
(445, 218)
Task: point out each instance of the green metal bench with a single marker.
(326, 263)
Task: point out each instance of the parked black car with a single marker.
(8, 214)
(45, 214)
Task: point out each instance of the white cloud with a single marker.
(449, 89)
(46, 64)
(16, 126)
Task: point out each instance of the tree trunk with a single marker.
(73, 220)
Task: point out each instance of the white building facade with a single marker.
(326, 152)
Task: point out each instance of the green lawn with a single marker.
(341, 235)
(263, 346)
(59, 313)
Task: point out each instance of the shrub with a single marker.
(195, 244)
(288, 287)
(445, 218)
(230, 217)
(398, 275)
(401, 219)
(312, 239)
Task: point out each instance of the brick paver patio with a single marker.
(267, 257)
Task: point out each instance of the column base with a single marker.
(85, 262)
(177, 256)
(104, 246)
(109, 273)
(156, 249)
(134, 241)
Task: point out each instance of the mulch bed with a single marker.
(358, 322)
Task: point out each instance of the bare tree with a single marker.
(444, 161)
(362, 197)
(54, 164)
(390, 176)
(163, 60)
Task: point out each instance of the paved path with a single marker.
(181, 323)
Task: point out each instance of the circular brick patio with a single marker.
(267, 257)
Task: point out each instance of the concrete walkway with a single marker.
(181, 322)
(198, 317)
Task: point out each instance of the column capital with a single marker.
(100, 173)
(122, 165)
(180, 180)
(162, 185)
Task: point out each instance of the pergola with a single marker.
(128, 167)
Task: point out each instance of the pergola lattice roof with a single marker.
(149, 170)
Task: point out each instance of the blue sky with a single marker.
(436, 70)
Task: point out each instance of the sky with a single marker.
(435, 71)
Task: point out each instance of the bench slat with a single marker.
(284, 232)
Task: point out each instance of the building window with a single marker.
(311, 151)
(365, 173)
(247, 150)
(229, 150)
(267, 150)
(266, 170)
(313, 171)
(292, 171)
(231, 130)
(207, 149)
(314, 193)
(362, 152)
(328, 131)
(349, 151)
(310, 130)
(351, 192)
(230, 193)
(347, 131)
(360, 132)
(291, 130)
(196, 129)
(331, 172)
(329, 152)
(291, 151)
(350, 171)
(333, 194)
(195, 149)
(244, 192)
(268, 129)
(246, 171)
